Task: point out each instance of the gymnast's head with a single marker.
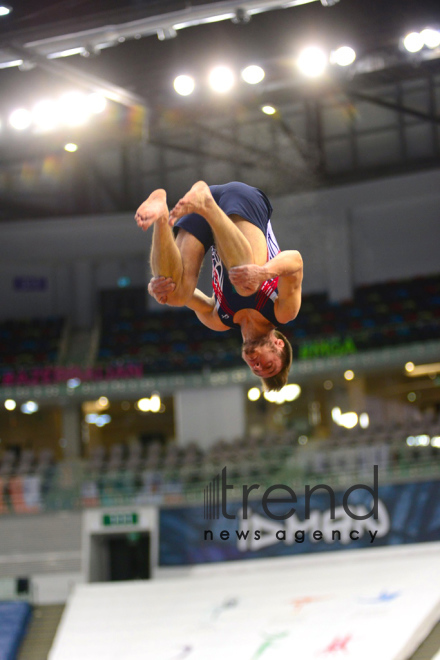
(270, 358)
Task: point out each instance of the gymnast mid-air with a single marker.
(255, 286)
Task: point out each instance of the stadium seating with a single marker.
(29, 343)
(379, 315)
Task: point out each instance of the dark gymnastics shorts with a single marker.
(233, 198)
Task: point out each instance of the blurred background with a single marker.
(116, 412)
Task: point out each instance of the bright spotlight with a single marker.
(20, 119)
(71, 147)
(144, 405)
(253, 74)
(45, 115)
(431, 38)
(103, 402)
(336, 415)
(155, 403)
(291, 392)
(254, 394)
(10, 404)
(349, 374)
(29, 407)
(96, 103)
(221, 79)
(268, 110)
(343, 56)
(364, 420)
(413, 42)
(409, 366)
(312, 62)
(348, 420)
(435, 441)
(73, 109)
(184, 85)
(73, 383)
(5, 10)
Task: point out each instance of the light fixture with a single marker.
(312, 62)
(254, 394)
(144, 405)
(349, 374)
(328, 385)
(431, 38)
(287, 393)
(348, 420)
(29, 407)
(221, 79)
(73, 109)
(10, 404)
(413, 42)
(422, 369)
(184, 85)
(364, 420)
(5, 10)
(44, 115)
(71, 147)
(20, 119)
(343, 56)
(253, 74)
(411, 396)
(73, 383)
(155, 403)
(96, 103)
(268, 110)
(103, 402)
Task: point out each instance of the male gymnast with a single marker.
(256, 287)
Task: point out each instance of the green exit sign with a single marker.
(114, 519)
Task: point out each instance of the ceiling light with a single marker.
(96, 103)
(73, 109)
(431, 38)
(268, 110)
(155, 403)
(413, 42)
(73, 383)
(221, 79)
(422, 369)
(364, 420)
(10, 404)
(254, 394)
(184, 85)
(411, 396)
(29, 407)
(45, 115)
(253, 74)
(144, 405)
(343, 56)
(10, 64)
(5, 10)
(20, 119)
(349, 374)
(71, 147)
(312, 62)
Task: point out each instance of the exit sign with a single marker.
(115, 519)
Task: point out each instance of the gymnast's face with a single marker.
(263, 356)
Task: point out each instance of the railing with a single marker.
(76, 486)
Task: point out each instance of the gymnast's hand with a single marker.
(247, 279)
(160, 287)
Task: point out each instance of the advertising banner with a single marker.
(282, 522)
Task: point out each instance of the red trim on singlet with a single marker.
(267, 288)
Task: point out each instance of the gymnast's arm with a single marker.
(205, 310)
(288, 265)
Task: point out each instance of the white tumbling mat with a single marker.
(353, 605)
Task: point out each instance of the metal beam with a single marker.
(164, 26)
(376, 100)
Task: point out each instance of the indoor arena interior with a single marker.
(219, 330)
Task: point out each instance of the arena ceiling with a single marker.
(132, 53)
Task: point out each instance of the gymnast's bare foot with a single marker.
(153, 209)
(197, 200)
